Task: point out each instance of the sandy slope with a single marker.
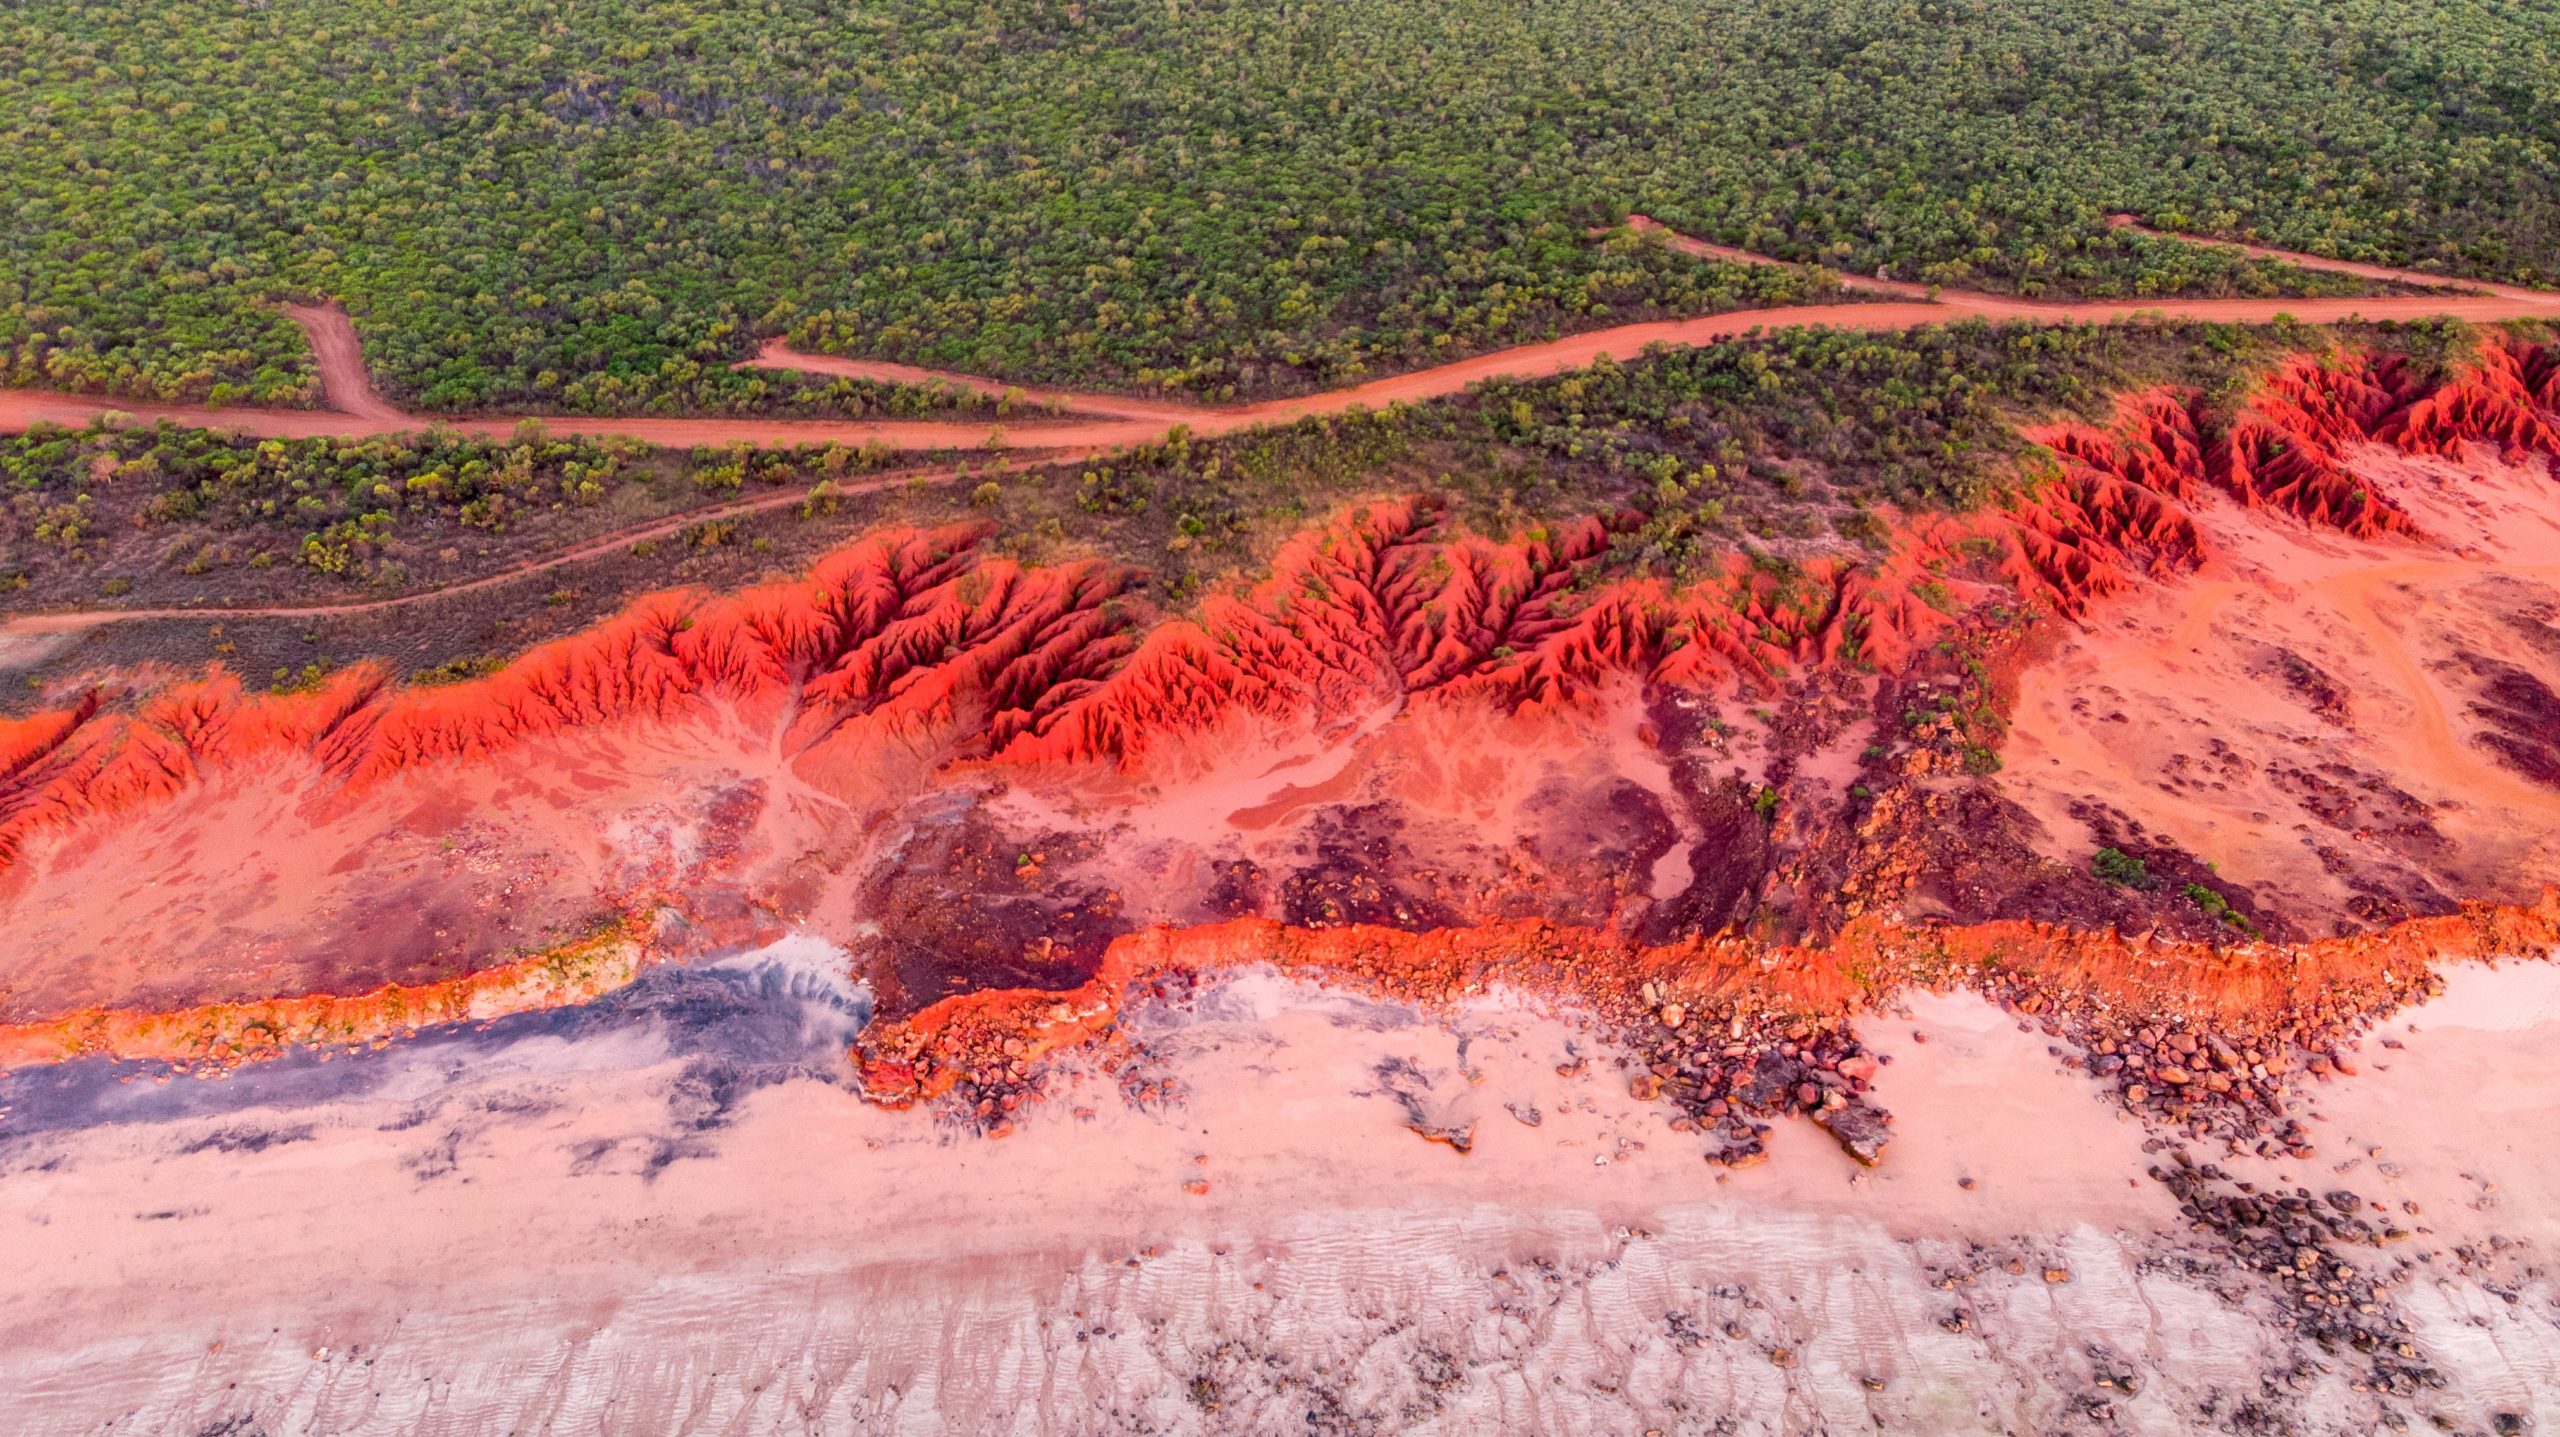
(2184, 707)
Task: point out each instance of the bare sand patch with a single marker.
(2302, 713)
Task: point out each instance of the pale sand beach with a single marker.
(634, 1225)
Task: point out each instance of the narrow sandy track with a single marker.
(1696, 248)
(344, 381)
(2441, 748)
(602, 544)
(780, 356)
(2382, 272)
(2444, 749)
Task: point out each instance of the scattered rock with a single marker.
(1462, 1138)
(1862, 1130)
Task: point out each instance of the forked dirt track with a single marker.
(356, 410)
(1697, 248)
(340, 360)
(2442, 749)
(777, 355)
(361, 414)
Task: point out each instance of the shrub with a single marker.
(2121, 868)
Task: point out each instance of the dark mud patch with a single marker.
(1238, 888)
(1360, 870)
(2522, 715)
(1599, 842)
(1731, 851)
(248, 1138)
(1729, 860)
(2312, 686)
(740, 1023)
(965, 906)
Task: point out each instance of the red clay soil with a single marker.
(344, 382)
(2342, 711)
(1136, 422)
(884, 628)
(2288, 447)
(908, 643)
(1057, 664)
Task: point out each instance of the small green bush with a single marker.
(2219, 908)
(2121, 868)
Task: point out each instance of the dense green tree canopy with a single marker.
(594, 205)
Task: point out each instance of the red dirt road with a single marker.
(1125, 421)
(1697, 248)
(780, 356)
(344, 382)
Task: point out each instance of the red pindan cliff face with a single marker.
(1005, 768)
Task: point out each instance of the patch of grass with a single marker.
(455, 671)
(2122, 869)
(2219, 909)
